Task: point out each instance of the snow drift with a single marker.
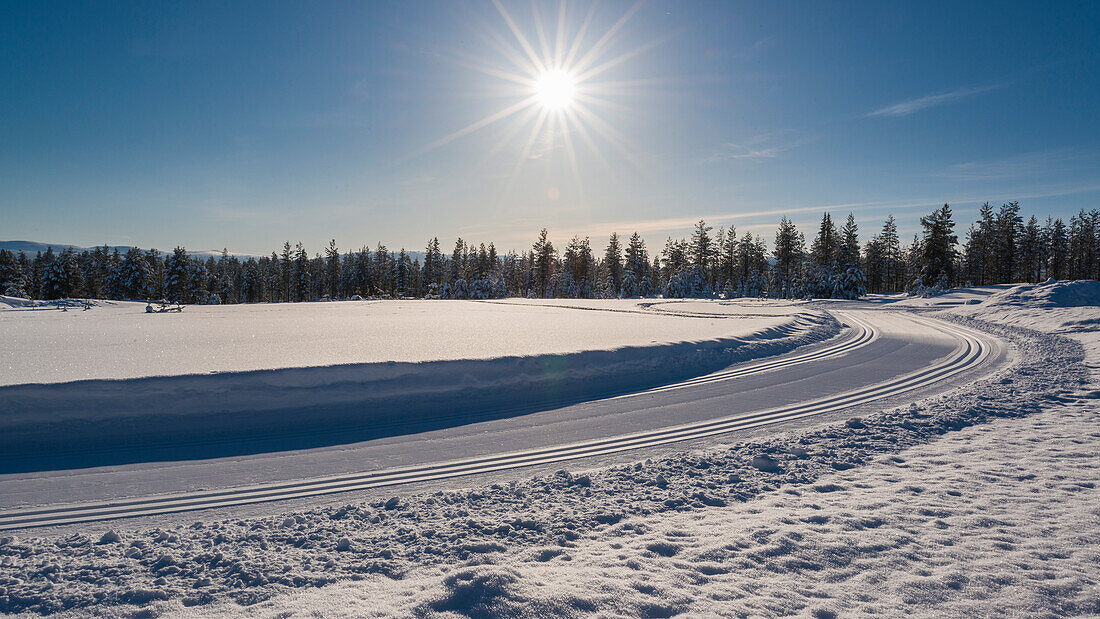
(1052, 293)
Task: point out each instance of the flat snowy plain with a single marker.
(117, 340)
(979, 500)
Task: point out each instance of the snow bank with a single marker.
(1069, 308)
(99, 422)
(1050, 294)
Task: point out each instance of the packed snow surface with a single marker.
(120, 340)
(981, 501)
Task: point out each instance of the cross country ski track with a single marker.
(971, 350)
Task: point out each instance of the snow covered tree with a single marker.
(703, 251)
(543, 257)
(177, 276)
(302, 274)
(332, 271)
(580, 268)
(790, 246)
(61, 277)
(613, 265)
(826, 246)
(848, 252)
(938, 249)
(133, 272)
(636, 280)
(727, 277)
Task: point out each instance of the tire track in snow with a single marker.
(972, 350)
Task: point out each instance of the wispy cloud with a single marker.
(757, 148)
(1022, 165)
(904, 108)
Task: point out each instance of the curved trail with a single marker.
(971, 349)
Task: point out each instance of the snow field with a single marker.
(120, 341)
(791, 523)
(230, 413)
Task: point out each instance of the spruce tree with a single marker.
(302, 274)
(613, 264)
(332, 262)
(789, 248)
(938, 248)
(542, 256)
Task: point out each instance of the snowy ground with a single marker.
(118, 340)
(251, 379)
(980, 501)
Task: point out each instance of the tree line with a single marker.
(1000, 247)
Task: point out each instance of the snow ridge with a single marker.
(538, 520)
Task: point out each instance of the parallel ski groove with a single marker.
(970, 352)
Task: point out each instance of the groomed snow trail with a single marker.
(971, 349)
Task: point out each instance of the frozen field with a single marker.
(120, 341)
(979, 500)
(119, 385)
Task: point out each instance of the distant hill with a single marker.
(33, 247)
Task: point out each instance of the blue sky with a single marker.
(244, 124)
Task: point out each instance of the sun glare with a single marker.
(554, 89)
(556, 78)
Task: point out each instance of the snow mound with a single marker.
(1080, 293)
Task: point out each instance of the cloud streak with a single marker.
(905, 108)
(757, 148)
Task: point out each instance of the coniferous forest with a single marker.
(999, 248)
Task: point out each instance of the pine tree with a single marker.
(938, 248)
(980, 249)
(302, 274)
(703, 251)
(613, 264)
(1056, 240)
(826, 246)
(848, 252)
(542, 255)
(177, 276)
(1007, 227)
(636, 280)
(728, 279)
(332, 261)
(286, 270)
(1084, 257)
(1031, 252)
(790, 246)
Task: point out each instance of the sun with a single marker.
(560, 81)
(554, 89)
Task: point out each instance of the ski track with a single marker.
(629, 539)
(973, 350)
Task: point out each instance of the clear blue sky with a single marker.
(243, 124)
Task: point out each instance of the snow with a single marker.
(120, 341)
(979, 501)
(260, 378)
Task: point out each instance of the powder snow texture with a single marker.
(998, 519)
(1069, 308)
(121, 341)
